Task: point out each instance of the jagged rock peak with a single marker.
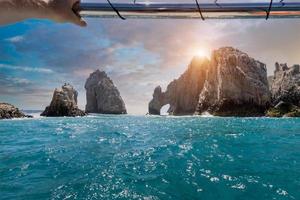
(286, 84)
(279, 68)
(157, 102)
(236, 85)
(8, 111)
(182, 94)
(102, 95)
(64, 103)
(95, 77)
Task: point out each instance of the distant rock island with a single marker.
(229, 84)
(64, 103)
(285, 89)
(102, 95)
(8, 111)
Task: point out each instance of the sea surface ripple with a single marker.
(149, 158)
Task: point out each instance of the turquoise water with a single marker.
(131, 157)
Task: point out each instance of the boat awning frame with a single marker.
(190, 10)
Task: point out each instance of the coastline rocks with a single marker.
(229, 84)
(285, 91)
(8, 111)
(283, 109)
(236, 85)
(286, 84)
(102, 95)
(182, 94)
(64, 103)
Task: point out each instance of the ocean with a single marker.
(149, 158)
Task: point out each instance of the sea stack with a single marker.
(236, 85)
(64, 103)
(102, 95)
(183, 93)
(8, 111)
(285, 91)
(286, 84)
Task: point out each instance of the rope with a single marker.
(123, 18)
(269, 10)
(199, 9)
(216, 2)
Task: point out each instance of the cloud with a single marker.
(26, 69)
(24, 93)
(19, 81)
(15, 39)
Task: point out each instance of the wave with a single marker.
(206, 114)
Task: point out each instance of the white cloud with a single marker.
(20, 81)
(27, 69)
(15, 39)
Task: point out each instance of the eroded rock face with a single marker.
(102, 95)
(64, 103)
(8, 111)
(285, 91)
(230, 84)
(236, 85)
(286, 84)
(157, 102)
(183, 93)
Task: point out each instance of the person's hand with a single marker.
(65, 11)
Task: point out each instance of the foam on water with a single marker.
(134, 157)
(206, 114)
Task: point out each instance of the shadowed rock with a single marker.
(102, 95)
(64, 103)
(286, 84)
(285, 91)
(8, 111)
(283, 109)
(183, 93)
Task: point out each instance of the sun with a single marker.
(202, 53)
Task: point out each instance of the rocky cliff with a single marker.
(182, 94)
(229, 84)
(8, 111)
(236, 85)
(286, 84)
(285, 91)
(64, 103)
(102, 95)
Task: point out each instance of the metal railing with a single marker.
(191, 11)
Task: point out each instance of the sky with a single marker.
(37, 56)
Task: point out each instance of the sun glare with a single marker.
(202, 53)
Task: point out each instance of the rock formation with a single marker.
(8, 111)
(183, 93)
(230, 84)
(286, 84)
(285, 91)
(270, 81)
(64, 103)
(236, 85)
(284, 109)
(102, 96)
